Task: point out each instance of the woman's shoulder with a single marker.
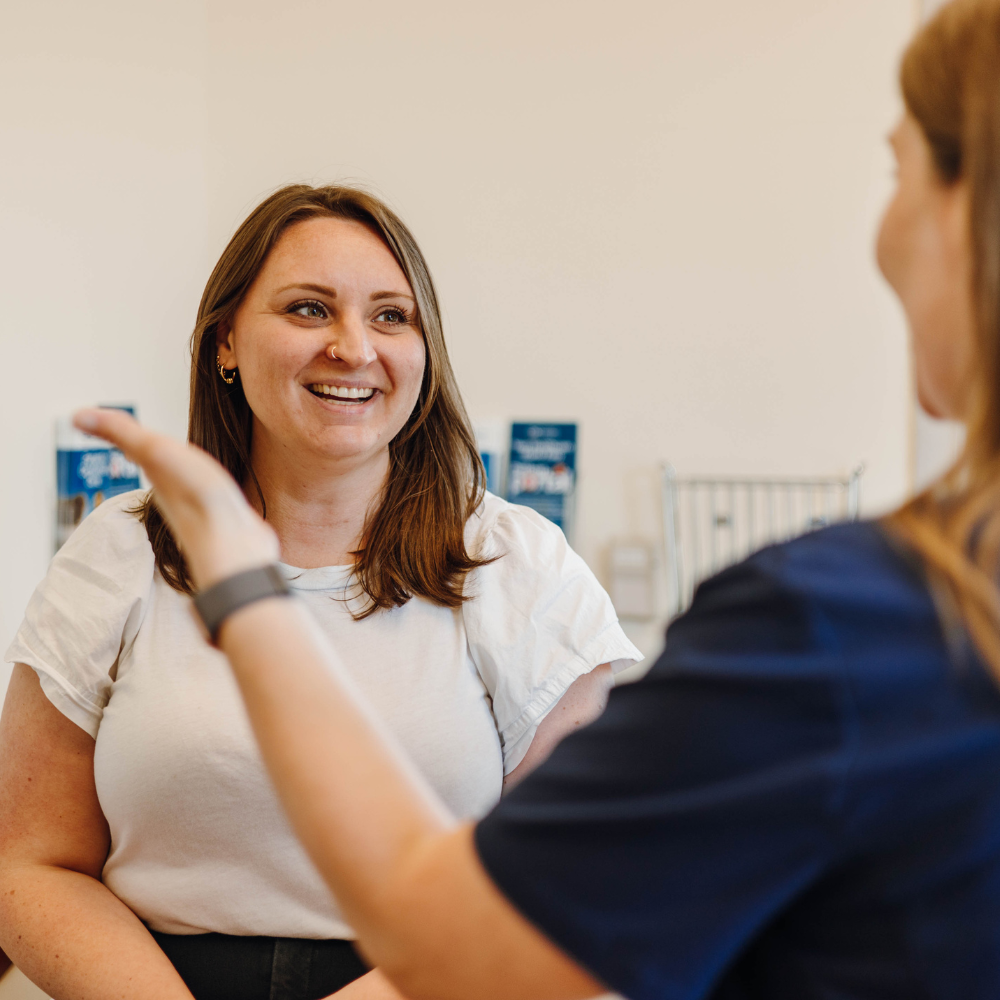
(497, 527)
(87, 609)
(845, 543)
(534, 584)
(858, 565)
(536, 618)
(112, 533)
(839, 586)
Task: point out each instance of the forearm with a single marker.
(582, 703)
(75, 939)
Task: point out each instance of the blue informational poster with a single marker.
(88, 471)
(491, 466)
(542, 470)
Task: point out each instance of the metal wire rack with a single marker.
(712, 522)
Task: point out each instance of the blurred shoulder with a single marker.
(822, 560)
(839, 586)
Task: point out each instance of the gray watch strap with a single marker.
(217, 603)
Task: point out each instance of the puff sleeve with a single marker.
(87, 611)
(537, 620)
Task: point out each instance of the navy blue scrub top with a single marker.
(800, 801)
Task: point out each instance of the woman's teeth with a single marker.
(343, 392)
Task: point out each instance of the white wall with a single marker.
(16, 986)
(937, 444)
(657, 221)
(102, 195)
(654, 217)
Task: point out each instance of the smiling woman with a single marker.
(323, 293)
(321, 381)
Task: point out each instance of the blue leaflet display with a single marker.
(491, 465)
(88, 471)
(542, 469)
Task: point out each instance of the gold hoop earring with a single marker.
(228, 375)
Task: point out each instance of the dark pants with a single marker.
(222, 967)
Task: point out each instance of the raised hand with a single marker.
(216, 529)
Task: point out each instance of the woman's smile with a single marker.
(349, 395)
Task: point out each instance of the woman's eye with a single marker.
(309, 310)
(391, 315)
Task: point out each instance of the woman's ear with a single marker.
(224, 345)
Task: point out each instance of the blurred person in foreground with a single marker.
(801, 800)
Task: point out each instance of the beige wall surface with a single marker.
(16, 986)
(103, 208)
(654, 218)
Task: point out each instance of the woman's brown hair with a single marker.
(950, 79)
(413, 538)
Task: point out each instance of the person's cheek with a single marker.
(411, 369)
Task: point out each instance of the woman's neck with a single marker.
(318, 509)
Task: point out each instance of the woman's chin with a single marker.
(349, 448)
(935, 404)
(930, 408)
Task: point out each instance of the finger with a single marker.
(178, 472)
(216, 529)
(116, 426)
(160, 456)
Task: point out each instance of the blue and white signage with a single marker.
(542, 469)
(88, 471)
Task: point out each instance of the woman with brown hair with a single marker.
(802, 798)
(137, 823)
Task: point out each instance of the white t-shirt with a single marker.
(198, 839)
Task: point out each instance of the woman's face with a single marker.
(326, 341)
(924, 251)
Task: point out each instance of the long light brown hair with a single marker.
(413, 538)
(950, 79)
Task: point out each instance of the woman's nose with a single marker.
(351, 343)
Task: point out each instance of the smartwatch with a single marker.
(217, 603)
